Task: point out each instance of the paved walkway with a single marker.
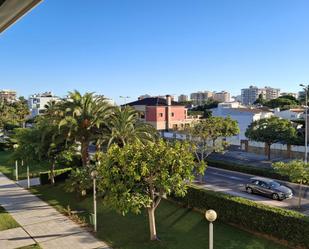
(45, 225)
(15, 238)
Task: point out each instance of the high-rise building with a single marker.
(8, 95)
(222, 96)
(183, 98)
(251, 94)
(271, 93)
(199, 98)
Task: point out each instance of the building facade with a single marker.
(183, 98)
(251, 94)
(8, 95)
(37, 102)
(199, 98)
(162, 113)
(222, 96)
(244, 116)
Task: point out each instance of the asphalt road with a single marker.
(233, 183)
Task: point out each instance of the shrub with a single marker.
(280, 223)
(79, 181)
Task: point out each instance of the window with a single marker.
(173, 114)
(142, 115)
(161, 114)
(263, 184)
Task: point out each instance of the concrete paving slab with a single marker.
(15, 238)
(42, 222)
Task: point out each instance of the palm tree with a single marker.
(83, 116)
(126, 127)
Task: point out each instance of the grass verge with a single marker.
(7, 167)
(178, 228)
(6, 220)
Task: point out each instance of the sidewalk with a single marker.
(45, 225)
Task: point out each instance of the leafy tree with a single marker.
(84, 115)
(206, 132)
(21, 111)
(79, 181)
(14, 114)
(205, 108)
(126, 127)
(137, 176)
(297, 171)
(260, 100)
(43, 143)
(283, 102)
(271, 130)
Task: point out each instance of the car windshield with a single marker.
(274, 184)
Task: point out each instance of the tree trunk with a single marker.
(52, 173)
(84, 153)
(152, 223)
(268, 152)
(300, 194)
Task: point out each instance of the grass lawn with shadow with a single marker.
(6, 220)
(7, 167)
(177, 228)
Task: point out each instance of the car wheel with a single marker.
(275, 196)
(249, 190)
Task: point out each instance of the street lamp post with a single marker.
(94, 174)
(16, 170)
(306, 121)
(211, 216)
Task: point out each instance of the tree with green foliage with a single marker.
(297, 171)
(137, 176)
(271, 130)
(84, 116)
(13, 115)
(205, 134)
(283, 102)
(43, 143)
(205, 108)
(126, 127)
(260, 100)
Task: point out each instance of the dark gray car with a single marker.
(269, 188)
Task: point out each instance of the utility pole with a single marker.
(306, 121)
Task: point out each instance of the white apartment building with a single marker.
(37, 102)
(291, 114)
(244, 116)
(251, 94)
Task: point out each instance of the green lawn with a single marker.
(178, 228)
(7, 167)
(6, 221)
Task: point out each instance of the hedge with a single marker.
(280, 223)
(60, 175)
(246, 169)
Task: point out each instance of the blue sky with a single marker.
(133, 47)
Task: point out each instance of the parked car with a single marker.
(269, 188)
